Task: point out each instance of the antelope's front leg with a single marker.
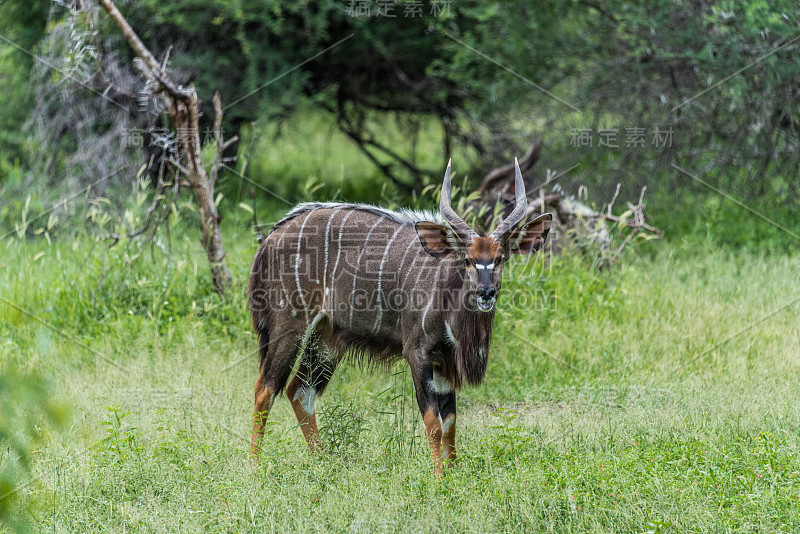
(447, 412)
(429, 407)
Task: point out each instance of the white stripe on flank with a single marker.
(338, 254)
(377, 324)
(325, 270)
(358, 262)
(421, 270)
(403, 260)
(297, 266)
(433, 296)
(278, 254)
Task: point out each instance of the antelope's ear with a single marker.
(437, 240)
(530, 237)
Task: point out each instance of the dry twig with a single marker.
(184, 111)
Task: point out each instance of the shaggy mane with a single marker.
(405, 217)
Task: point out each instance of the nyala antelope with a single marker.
(384, 285)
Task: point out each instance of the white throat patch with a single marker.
(449, 333)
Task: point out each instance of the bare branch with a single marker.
(258, 228)
(613, 199)
(140, 49)
(178, 166)
(616, 254)
(499, 176)
(184, 112)
(600, 10)
(584, 225)
(221, 145)
(649, 228)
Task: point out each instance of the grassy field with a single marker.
(657, 400)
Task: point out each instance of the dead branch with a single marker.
(222, 145)
(577, 218)
(142, 51)
(637, 212)
(178, 167)
(579, 223)
(184, 111)
(619, 250)
(496, 191)
(637, 226)
(372, 148)
(613, 199)
(497, 179)
(258, 228)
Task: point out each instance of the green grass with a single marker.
(654, 400)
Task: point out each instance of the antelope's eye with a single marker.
(500, 261)
(469, 262)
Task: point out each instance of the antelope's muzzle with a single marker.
(486, 299)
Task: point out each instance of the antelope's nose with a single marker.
(487, 293)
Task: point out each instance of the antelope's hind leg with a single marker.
(316, 368)
(277, 360)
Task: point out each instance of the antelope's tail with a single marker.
(259, 301)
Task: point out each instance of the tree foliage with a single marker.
(720, 74)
